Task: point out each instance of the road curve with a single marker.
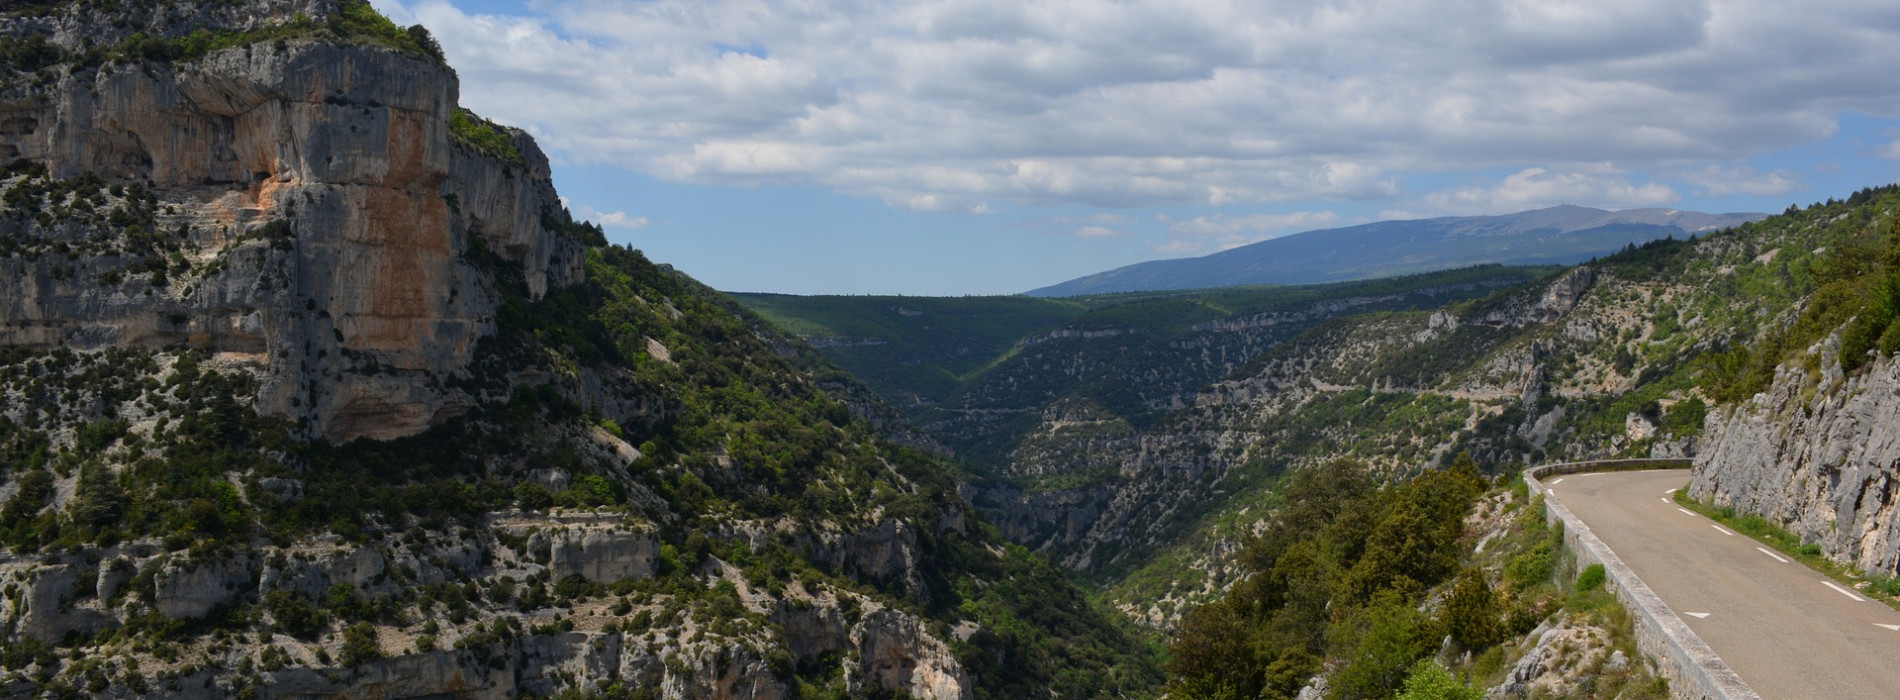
(1785, 628)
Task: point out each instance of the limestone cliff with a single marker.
(1823, 462)
(237, 237)
(297, 205)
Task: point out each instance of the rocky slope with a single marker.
(1823, 462)
(1807, 440)
(311, 387)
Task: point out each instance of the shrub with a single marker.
(483, 136)
(1591, 579)
(359, 644)
(1429, 681)
(1380, 642)
(294, 615)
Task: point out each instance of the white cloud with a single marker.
(1536, 188)
(610, 219)
(620, 219)
(1890, 151)
(949, 105)
(1722, 181)
(1086, 232)
(1221, 231)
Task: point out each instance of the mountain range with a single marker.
(1561, 235)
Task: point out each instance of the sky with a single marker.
(952, 147)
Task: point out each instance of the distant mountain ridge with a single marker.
(1559, 235)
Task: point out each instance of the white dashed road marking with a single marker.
(1697, 615)
(1722, 530)
(1764, 550)
(1685, 511)
(1843, 591)
(1895, 628)
(1559, 480)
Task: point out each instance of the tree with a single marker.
(1380, 642)
(360, 645)
(1212, 656)
(1471, 612)
(426, 41)
(97, 499)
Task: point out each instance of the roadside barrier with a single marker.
(1693, 669)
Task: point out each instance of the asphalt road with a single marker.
(1784, 628)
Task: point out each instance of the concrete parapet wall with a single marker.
(1693, 669)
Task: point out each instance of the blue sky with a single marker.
(947, 147)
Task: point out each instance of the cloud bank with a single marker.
(954, 105)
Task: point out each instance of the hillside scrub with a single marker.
(746, 437)
(1323, 591)
(1856, 294)
(1336, 574)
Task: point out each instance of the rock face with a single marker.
(317, 212)
(602, 554)
(894, 652)
(1825, 465)
(188, 590)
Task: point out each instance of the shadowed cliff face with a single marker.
(315, 210)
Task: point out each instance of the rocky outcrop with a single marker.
(1823, 462)
(601, 554)
(1561, 656)
(188, 589)
(894, 653)
(314, 209)
(500, 650)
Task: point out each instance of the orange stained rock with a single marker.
(408, 223)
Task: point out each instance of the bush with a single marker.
(1591, 579)
(359, 644)
(483, 136)
(1429, 681)
(294, 615)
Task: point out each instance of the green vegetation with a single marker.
(1429, 681)
(355, 22)
(483, 136)
(926, 350)
(1856, 292)
(1337, 574)
(1329, 588)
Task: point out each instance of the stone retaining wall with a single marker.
(1693, 669)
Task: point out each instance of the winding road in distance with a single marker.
(1789, 631)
